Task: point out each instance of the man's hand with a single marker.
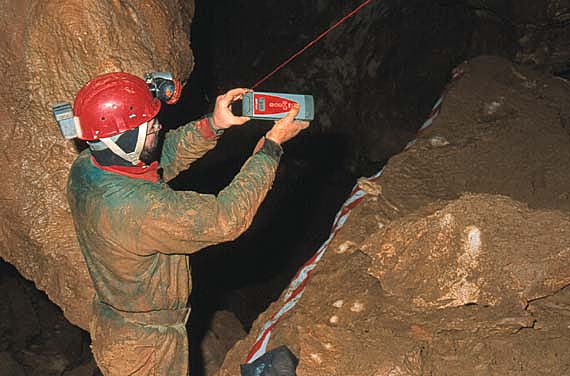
(223, 117)
(287, 127)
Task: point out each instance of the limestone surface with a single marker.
(48, 51)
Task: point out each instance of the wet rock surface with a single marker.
(455, 261)
(48, 51)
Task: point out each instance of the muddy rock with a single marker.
(225, 330)
(454, 262)
(463, 253)
(48, 50)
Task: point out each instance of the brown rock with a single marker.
(48, 50)
(225, 330)
(478, 249)
(472, 228)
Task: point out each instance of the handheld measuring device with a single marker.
(273, 106)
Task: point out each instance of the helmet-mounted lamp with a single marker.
(68, 123)
(163, 86)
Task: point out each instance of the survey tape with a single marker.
(297, 286)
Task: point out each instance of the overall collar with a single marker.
(140, 171)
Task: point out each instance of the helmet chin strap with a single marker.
(133, 156)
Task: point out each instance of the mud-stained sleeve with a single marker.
(185, 145)
(185, 222)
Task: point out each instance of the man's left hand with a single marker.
(223, 117)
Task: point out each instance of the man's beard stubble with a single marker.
(151, 154)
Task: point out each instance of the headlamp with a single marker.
(163, 86)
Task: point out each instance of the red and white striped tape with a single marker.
(295, 290)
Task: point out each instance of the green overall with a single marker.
(135, 236)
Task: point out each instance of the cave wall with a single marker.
(388, 50)
(48, 51)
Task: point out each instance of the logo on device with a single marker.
(270, 104)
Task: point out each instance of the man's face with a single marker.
(151, 152)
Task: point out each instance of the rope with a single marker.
(311, 43)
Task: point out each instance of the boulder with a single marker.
(455, 260)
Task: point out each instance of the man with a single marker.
(135, 232)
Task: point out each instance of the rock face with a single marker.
(543, 31)
(463, 253)
(455, 261)
(48, 50)
(225, 330)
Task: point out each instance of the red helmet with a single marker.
(113, 103)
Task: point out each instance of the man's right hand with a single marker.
(222, 117)
(287, 127)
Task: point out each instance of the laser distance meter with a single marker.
(273, 106)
